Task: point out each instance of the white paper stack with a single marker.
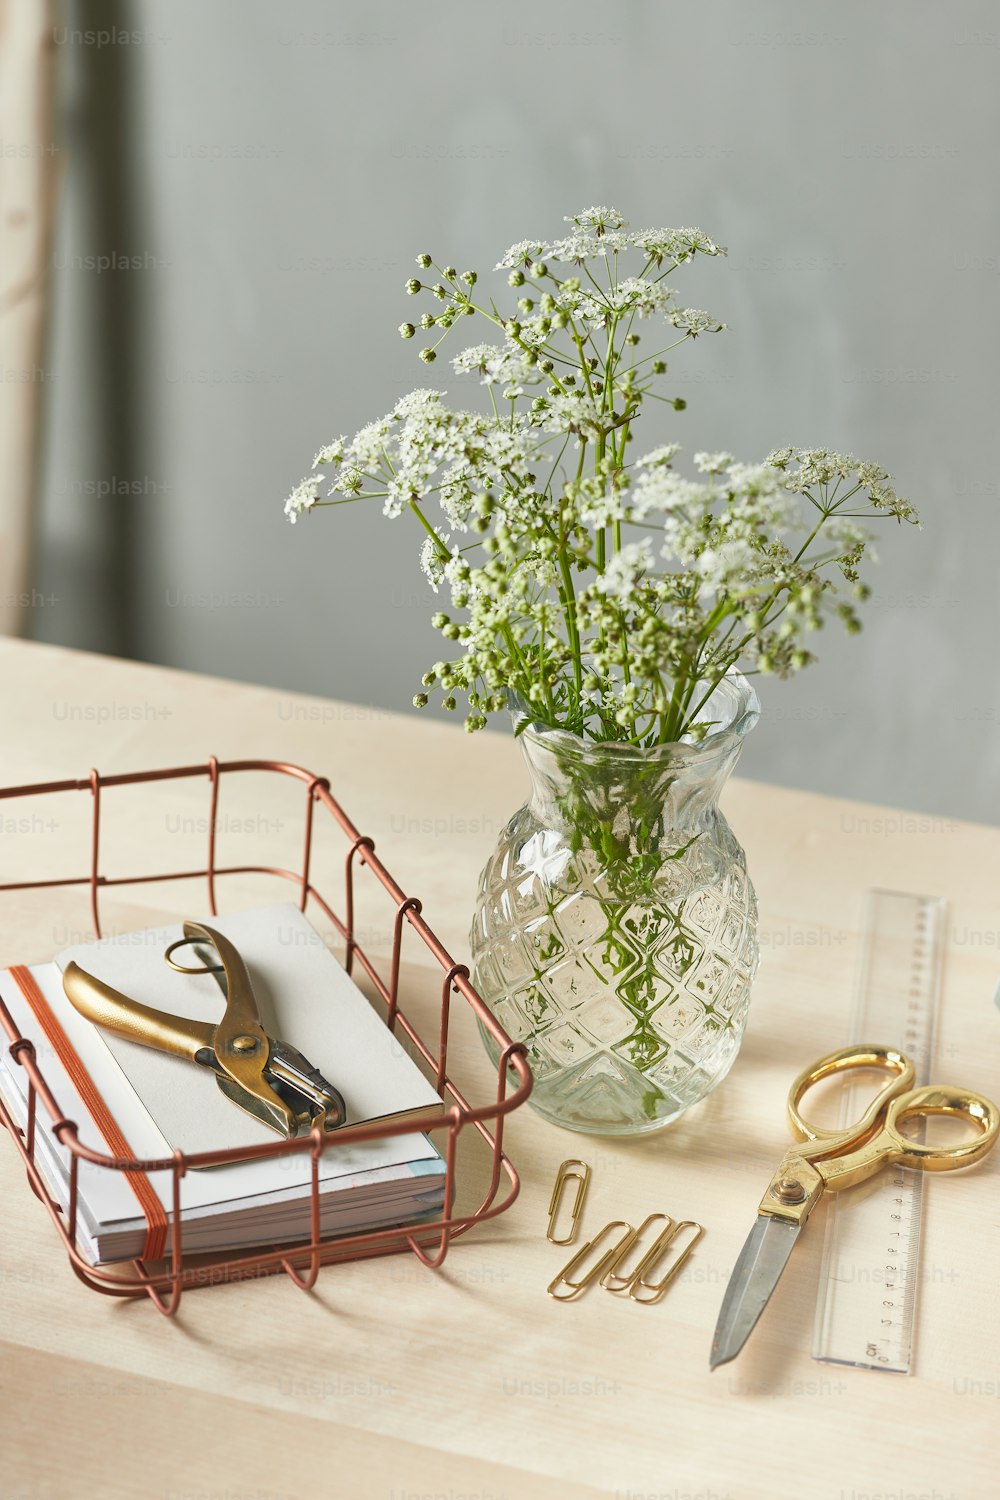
(160, 1102)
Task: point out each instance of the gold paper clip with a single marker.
(655, 1253)
(614, 1280)
(608, 1258)
(581, 1177)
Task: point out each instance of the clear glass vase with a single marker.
(616, 927)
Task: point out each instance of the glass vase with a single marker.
(616, 927)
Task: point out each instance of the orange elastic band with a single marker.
(152, 1208)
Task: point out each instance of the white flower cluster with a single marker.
(605, 590)
(600, 232)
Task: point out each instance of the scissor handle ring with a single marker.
(846, 1059)
(183, 943)
(941, 1099)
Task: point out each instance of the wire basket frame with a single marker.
(164, 1281)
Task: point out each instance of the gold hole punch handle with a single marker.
(135, 1022)
(847, 1060)
(186, 942)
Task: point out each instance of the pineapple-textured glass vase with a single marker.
(615, 932)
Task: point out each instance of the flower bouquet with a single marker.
(618, 609)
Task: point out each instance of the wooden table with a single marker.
(393, 1381)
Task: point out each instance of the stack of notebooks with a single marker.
(152, 1103)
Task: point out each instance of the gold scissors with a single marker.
(268, 1078)
(832, 1159)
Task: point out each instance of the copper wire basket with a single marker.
(165, 1280)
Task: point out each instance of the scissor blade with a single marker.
(754, 1278)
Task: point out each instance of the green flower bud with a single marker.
(406, 330)
(632, 338)
(413, 286)
(525, 305)
(448, 703)
(427, 320)
(516, 278)
(439, 621)
(424, 262)
(428, 356)
(439, 291)
(539, 269)
(470, 278)
(679, 404)
(420, 700)
(450, 274)
(659, 367)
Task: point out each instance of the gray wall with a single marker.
(275, 167)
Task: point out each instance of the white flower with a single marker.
(303, 497)
(821, 466)
(521, 254)
(657, 456)
(598, 219)
(870, 474)
(712, 463)
(846, 533)
(597, 504)
(419, 401)
(720, 567)
(333, 453)
(570, 411)
(660, 490)
(635, 294)
(367, 448)
(679, 245)
(584, 245)
(432, 562)
(496, 364)
(694, 320)
(623, 572)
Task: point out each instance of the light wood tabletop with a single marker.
(394, 1381)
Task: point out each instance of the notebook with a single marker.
(158, 1103)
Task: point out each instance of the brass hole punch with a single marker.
(570, 1171)
(664, 1242)
(608, 1257)
(267, 1077)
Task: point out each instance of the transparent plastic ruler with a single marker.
(870, 1273)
